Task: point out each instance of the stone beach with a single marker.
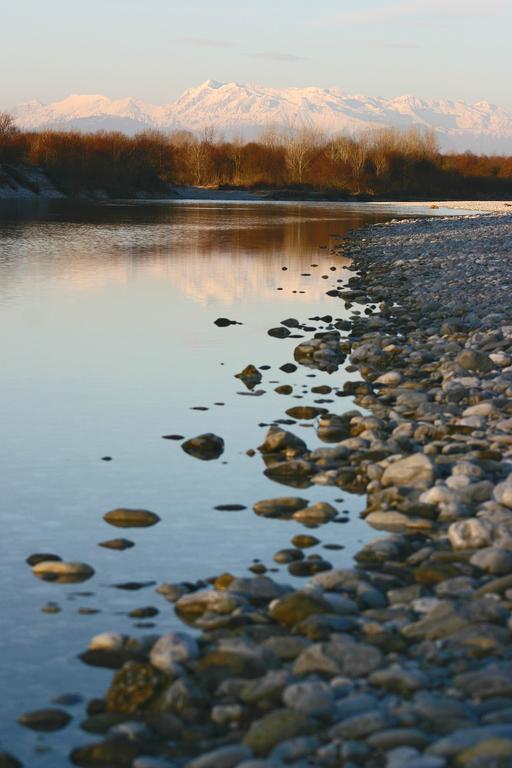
(403, 660)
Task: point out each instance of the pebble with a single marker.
(131, 518)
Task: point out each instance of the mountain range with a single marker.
(235, 109)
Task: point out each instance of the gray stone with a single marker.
(416, 471)
(314, 699)
(174, 648)
(224, 757)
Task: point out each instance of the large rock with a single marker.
(503, 492)
(205, 447)
(338, 657)
(133, 688)
(470, 534)
(415, 471)
(278, 440)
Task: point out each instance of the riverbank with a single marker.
(403, 660)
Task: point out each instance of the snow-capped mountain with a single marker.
(235, 109)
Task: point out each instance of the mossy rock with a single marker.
(133, 688)
(276, 727)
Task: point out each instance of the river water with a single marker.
(108, 342)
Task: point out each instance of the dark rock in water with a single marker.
(9, 761)
(45, 719)
(115, 753)
(284, 389)
(305, 412)
(223, 322)
(51, 607)
(288, 368)
(295, 473)
(205, 447)
(280, 441)
(42, 557)
(173, 437)
(288, 555)
(291, 322)
(303, 541)
(106, 458)
(323, 389)
(230, 507)
(119, 544)
(308, 567)
(110, 659)
(144, 613)
(131, 518)
(279, 333)
(102, 722)
(69, 699)
(250, 376)
(199, 408)
(132, 586)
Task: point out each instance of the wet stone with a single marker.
(131, 518)
(45, 719)
(205, 447)
(119, 544)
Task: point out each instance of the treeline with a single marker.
(385, 163)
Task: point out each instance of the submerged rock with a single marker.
(45, 719)
(205, 447)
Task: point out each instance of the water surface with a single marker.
(108, 343)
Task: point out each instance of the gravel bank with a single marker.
(488, 206)
(404, 660)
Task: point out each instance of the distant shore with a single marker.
(32, 184)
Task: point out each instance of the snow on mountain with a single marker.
(248, 110)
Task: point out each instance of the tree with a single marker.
(300, 152)
(7, 125)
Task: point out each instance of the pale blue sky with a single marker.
(154, 49)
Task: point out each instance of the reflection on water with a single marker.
(107, 343)
(213, 253)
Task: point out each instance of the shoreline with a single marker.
(406, 655)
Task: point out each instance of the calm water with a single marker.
(107, 344)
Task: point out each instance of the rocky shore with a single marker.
(403, 660)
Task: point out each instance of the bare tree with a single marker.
(301, 149)
(7, 125)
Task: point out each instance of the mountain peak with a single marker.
(245, 109)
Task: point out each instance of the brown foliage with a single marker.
(387, 162)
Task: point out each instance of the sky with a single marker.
(155, 49)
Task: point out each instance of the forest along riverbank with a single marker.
(403, 660)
